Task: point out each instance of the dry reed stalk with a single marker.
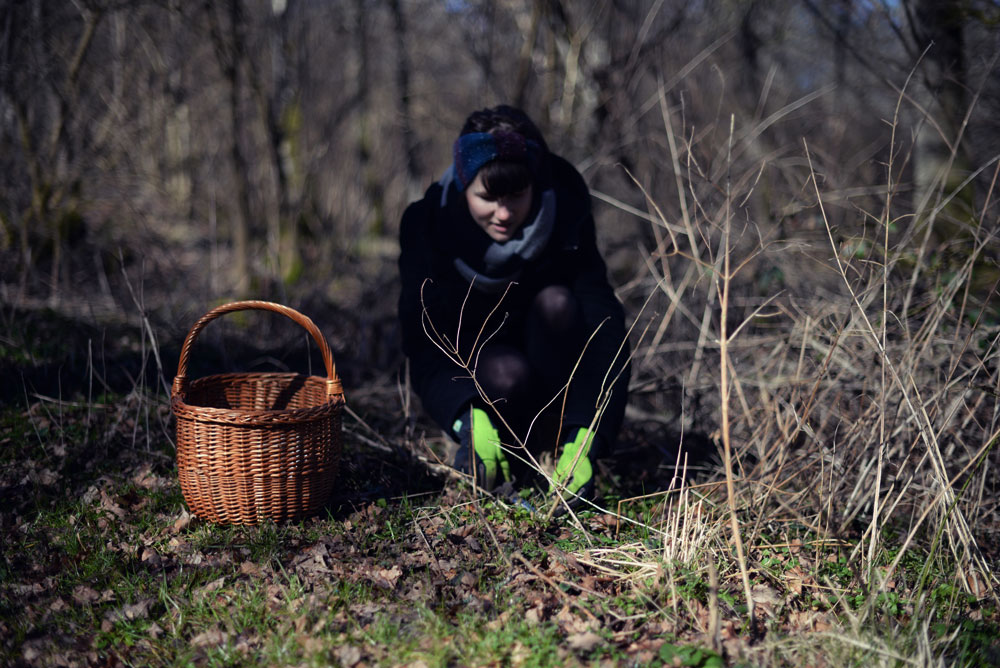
(908, 390)
(724, 392)
(882, 444)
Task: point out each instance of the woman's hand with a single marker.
(476, 433)
(574, 469)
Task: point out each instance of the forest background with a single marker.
(796, 200)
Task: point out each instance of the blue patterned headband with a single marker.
(473, 150)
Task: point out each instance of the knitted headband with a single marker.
(473, 150)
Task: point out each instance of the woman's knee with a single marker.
(556, 309)
(504, 373)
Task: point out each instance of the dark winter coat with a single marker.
(431, 237)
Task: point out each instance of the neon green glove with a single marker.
(476, 433)
(580, 477)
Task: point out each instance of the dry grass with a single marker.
(867, 412)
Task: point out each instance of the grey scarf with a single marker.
(502, 263)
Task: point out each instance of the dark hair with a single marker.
(505, 177)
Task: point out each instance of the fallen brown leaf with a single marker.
(146, 479)
(83, 595)
(130, 611)
(978, 586)
(646, 644)
(806, 620)
(766, 598)
(570, 622)
(311, 644)
(762, 593)
(584, 642)
(347, 655)
(48, 477)
(27, 589)
(461, 532)
(110, 505)
(209, 637)
(387, 578)
(794, 579)
(250, 568)
(151, 557)
(183, 521)
(536, 614)
(214, 585)
(137, 610)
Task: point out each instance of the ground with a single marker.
(407, 565)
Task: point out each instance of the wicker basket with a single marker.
(256, 446)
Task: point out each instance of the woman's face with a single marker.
(500, 217)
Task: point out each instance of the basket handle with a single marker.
(333, 386)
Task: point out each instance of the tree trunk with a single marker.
(524, 58)
(940, 163)
(278, 109)
(230, 53)
(413, 184)
(371, 183)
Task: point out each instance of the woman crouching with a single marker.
(513, 333)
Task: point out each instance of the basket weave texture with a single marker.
(257, 446)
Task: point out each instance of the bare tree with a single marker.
(941, 162)
(403, 79)
(229, 41)
(46, 104)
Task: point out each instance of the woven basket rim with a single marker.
(244, 375)
(233, 377)
(240, 416)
